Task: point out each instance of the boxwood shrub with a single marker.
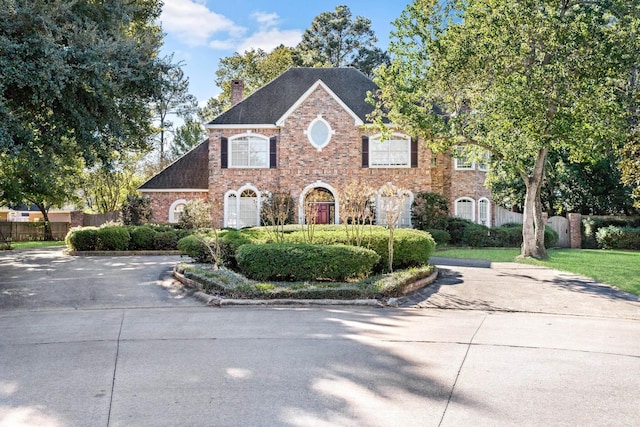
(296, 262)
(82, 238)
(166, 240)
(113, 238)
(441, 237)
(613, 237)
(411, 247)
(142, 238)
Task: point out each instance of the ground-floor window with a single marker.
(176, 209)
(480, 212)
(464, 208)
(242, 208)
(394, 202)
(484, 212)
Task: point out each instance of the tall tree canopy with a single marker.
(335, 39)
(518, 78)
(76, 79)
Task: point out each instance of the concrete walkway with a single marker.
(141, 352)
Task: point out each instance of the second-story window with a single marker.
(394, 152)
(249, 151)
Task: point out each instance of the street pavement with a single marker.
(113, 341)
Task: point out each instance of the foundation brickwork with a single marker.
(162, 201)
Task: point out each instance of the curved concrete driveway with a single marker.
(475, 349)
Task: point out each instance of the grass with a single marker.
(617, 268)
(39, 244)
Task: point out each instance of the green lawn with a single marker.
(618, 268)
(31, 245)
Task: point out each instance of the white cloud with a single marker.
(193, 23)
(270, 38)
(267, 19)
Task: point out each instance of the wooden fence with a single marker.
(30, 231)
(96, 220)
(504, 216)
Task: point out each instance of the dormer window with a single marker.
(319, 133)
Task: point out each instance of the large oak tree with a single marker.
(518, 78)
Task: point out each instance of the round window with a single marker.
(319, 133)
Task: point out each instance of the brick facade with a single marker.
(300, 164)
(161, 201)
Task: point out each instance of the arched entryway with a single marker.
(318, 204)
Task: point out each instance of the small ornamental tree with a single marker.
(392, 200)
(196, 214)
(136, 210)
(277, 211)
(356, 211)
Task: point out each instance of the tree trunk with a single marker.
(48, 235)
(532, 226)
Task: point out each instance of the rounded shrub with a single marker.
(195, 246)
(456, 227)
(478, 236)
(613, 237)
(142, 238)
(113, 238)
(82, 238)
(300, 262)
(441, 237)
(165, 240)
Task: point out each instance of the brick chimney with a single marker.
(237, 91)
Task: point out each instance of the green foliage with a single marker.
(79, 73)
(196, 214)
(197, 247)
(441, 237)
(457, 77)
(411, 247)
(166, 240)
(630, 165)
(591, 226)
(456, 228)
(142, 238)
(335, 39)
(293, 262)
(82, 239)
(429, 210)
(613, 237)
(186, 137)
(113, 238)
(136, 210)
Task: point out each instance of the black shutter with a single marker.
(224, 152)
(414, 152)
(365, 151)
(273, 158)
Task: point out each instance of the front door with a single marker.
(323, 213)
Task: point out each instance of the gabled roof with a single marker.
(271, 103)
(189, 172)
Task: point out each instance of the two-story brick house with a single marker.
(306, 132)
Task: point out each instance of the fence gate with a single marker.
(561, 226)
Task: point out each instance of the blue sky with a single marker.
(200, 32)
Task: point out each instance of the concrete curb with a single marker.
(120, 253)
(216, 301)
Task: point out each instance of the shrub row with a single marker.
(591, 226)
(298, 262)
(122, 238)
(613, 237)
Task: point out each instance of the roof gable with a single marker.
(189, 172)
(273, 102)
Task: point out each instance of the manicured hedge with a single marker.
(613, 237)
(441, 237)
(142, 238)
(296, 262)
(113, 238)
(411, 247)
(82, 238)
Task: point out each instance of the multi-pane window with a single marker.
(399, 207)
(242, 210)
(483, 212)
(483, 163)
(249, 151)
(393, 152)
(462, 160)
(464, 209)
(177, 212)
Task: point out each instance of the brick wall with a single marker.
(161, 202)
(300, 164)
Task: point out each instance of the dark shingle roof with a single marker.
(190, 171)
(272, 101)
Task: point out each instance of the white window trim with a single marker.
(246, 135)
(484, 199)
(487, 160)
(311, 187)
(237, 194)
(172, 209)
(473, 207)
(394, 136)
(457, 162)
(331, 132)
